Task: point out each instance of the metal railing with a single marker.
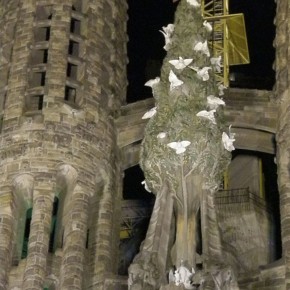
(239, 196)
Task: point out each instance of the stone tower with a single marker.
(62, 82)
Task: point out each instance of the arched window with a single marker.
(24, 251)
(53, 225)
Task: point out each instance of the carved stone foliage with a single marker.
(183, 146)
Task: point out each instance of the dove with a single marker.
(214, 102)
(202, 46)
(193, 3)
(202, 73)
(174, 81)
(149, 114)
(145, 185)
(179, 146)
(207, 26)
(216, 63)
(167, 32)
(161, 135)
(152, 83)
(221, 89)
(180, 63)
(228, 141)
(207, 115)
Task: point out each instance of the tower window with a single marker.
(73, 48)
(53, 225)
(87, 238)
(70, 94)
(38, 79)
(39, 56)
(26, 233)
(42, 34)
(75, 26)
(35, 103)
(71, 70)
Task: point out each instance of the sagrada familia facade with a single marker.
(67, 135)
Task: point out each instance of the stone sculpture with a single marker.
(182, 155)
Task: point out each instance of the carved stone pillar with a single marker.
(75, 236)
(6, 232)
(35, 270)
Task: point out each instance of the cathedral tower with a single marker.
(62, 82)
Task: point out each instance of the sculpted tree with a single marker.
(184, 152)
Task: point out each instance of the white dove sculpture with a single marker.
(207, 26)
(193, 3)
(202, 73)
(216, 63)
(161, 135)
(179, 146)
(174, 81)
(228, 141)
(145, 185)
(221, 89)
(151, 83)
(207, 115)
(213, 102)
(150, 113)
(180, 63)
(203, 47)
(167, 32)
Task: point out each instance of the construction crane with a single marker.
(228, 38)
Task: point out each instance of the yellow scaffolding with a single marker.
(228, 38)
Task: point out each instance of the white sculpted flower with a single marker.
(150, 113)
(179, 146)
(145, 185)
(216, 63)
(174, 81)
(202, 73)
(181, 63)
(207, 115)
(207, 26)
(161, 135)
(152, 82)
(167, 32)
(194, 3)
(221, 89)
(228, 141)
(214, 102)
(202, 46)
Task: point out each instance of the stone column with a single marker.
(6, 233)
(75, 235)
(282, 94)
(35, 270)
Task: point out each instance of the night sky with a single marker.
(146, 18)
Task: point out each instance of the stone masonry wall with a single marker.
(62, 82)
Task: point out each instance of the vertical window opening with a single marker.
(39, 56)
(37, 80)
(53, 225)
(71, 71)
(70, 94)
(35, 103)
(1, 123)
(28, 218)
(42, 34)
(73, 48)
(87, 239)
(75, 26)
